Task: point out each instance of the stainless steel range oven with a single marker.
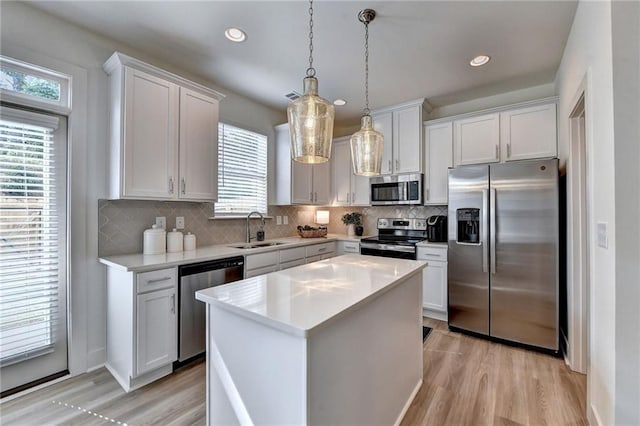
(396, 238)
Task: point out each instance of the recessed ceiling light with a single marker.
(339, 102)
(235, 34)
(479, 60)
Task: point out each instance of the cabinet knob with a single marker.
(184, 186)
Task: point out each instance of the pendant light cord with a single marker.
(311, 72)
(366, 68)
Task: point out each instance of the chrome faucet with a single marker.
(249, 237)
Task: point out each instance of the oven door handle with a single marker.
(387, 247)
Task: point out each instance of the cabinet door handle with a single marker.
(347, 198)
(316, 198)
(389, 165)
(311, 196)
(397, 165)
(322, 249)
(157, 280)
(353, 197)
(184, 186)
(171, 185)
(427, 194)
(508, 150)
(173, 303)
(497, 153)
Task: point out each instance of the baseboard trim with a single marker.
(96, 358)
(408, 403)
(441, 316)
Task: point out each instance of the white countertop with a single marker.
(144, 262)
(301, 299)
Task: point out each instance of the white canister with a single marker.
(189, 242)
(154, 240)
(174, 241)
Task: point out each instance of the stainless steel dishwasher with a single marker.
(194, 277)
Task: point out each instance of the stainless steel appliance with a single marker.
(396, 190)
(396, 238)
(194, 277)
(503, 251)
(437, 229)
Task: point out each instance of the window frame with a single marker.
(235, 215)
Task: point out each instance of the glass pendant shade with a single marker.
(311, 125)
(366, 149)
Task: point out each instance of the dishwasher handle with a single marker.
(212, 265)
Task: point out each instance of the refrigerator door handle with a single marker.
(492, 230)
(485, 205)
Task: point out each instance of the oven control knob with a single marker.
(421, 224)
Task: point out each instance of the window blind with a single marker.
(31, 253)
(242, 171)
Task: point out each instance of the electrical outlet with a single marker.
(161, 221)
(603, 238)
(278, 220)
(180, 222)
(285, 220)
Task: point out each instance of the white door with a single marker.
(383, 123)
(198, 146)
(434, 286)
(301, 183)
(477, 140)
(360, 190)
(33, 247)
(340, 173)
(156, 330)
(150, 136)
(407, 140)
(529, 132)
(438, 159)
(321, 183)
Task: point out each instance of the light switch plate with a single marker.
(161, 221)
(180, 222)
(603, 238)
(285, 220)
(278, 220)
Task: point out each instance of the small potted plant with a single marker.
(353, 221)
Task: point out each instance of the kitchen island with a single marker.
(333, 342)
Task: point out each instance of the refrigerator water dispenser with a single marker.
(468, 226)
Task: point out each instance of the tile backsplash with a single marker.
(121, 223)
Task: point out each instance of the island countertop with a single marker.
(302, 299)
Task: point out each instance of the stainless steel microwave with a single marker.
(396, 190)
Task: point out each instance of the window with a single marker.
(22, 82)
(242, 171)
(32, 234)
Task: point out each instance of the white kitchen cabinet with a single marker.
(347, 189)
(298, 183)
(163, 134)
(434, 281)
(345, 247)
(477, 140)
(530, 132)
(401, 127)
(142, 338)
(156, 334)
(438, 158)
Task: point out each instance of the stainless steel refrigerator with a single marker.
(503, 251)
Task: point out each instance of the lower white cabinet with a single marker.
(434, 281)
(142, 324)
(156, 331)
(264, 263)
(345, 247)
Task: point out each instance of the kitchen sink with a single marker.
(258, 245)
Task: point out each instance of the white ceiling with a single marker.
(417, 48)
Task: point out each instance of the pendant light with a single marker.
(366, 143)
(311, 117)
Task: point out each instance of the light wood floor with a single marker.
(467, 381)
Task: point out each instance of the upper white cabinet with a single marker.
(529, 132)
(520, 132)
(401, 127)
(298, 183)
(163, 134)
(347, 189)
(477, 140)
(438, 158)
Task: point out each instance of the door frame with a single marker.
(579, 234)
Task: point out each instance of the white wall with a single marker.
(625, 23)
(30, 32)
(588, 53)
